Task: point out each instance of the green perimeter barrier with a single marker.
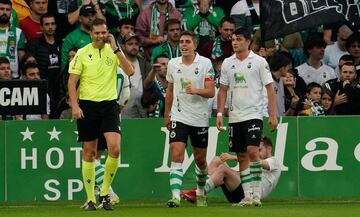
(42, 160)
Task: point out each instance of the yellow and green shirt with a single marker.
(97, 68)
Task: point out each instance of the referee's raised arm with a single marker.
(124, 62)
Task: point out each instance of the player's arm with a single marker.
(168, 103)
(272, 105)
(221, 99)
(265, 164)
(208, 91)
(124, 62)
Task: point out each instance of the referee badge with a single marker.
(172, 134)
(108, 61)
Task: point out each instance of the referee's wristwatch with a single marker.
(116, 50)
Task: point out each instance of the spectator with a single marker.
(346, 92)
(182, 5)
(170, 47)
(5, 71)
(22, 8)
(81, 35)
(327, 101)
(125, 26)
(59, 8)
(5, 74)
(46, 51)
(12, 39)
(76, 5)
(334, 51)
(311, 104)
(31, 24)
(150, 22)
(279, 65)
(204, 20)
(314, 70)
(31, 72)
(221, 45)
(114, 11)
(292, 91)
(130, 46)
(246, 14)
(155, 86)
(353, 47)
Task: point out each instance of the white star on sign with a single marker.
(27, 134)
(54, 134)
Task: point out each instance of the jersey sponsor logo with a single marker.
(253, 128)
(184, 84)
(239, 78)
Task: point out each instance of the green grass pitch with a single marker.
(215, 209)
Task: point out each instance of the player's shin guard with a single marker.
(88, 173)
(201, 176)
(255, 170)
(176, 175)
(111, 166)
(246, 180)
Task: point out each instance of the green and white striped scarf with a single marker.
(155, 15)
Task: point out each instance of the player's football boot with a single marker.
(189, 195)
(173, 203)
(245, 202)
(105, 203)
(201, 200)
(90, 206)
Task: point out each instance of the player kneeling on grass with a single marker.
(229, 180)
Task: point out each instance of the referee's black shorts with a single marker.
(99, 117)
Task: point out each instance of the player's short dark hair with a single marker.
(149, 97)
(126, 21)
(311, 86)
(243, 32)
(227, 19)
(171, 22)
(191, 34)
(47, 15)
(97, 22)
(4, 60)
(6, 2)
(266, 141)
(28, 66)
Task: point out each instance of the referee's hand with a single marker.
(77, 113)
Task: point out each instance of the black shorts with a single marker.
(234, 196)
(99, 117)
(180, 132)
(102, 145)
(243, 134)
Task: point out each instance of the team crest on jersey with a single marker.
(249, 65)
(196, 71)
(172, 134)
(178, 71)
(108, 61)
(233, 67)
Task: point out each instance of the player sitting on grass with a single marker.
(229, 180)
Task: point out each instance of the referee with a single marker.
(96, 110)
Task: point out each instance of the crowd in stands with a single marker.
(315, 71)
